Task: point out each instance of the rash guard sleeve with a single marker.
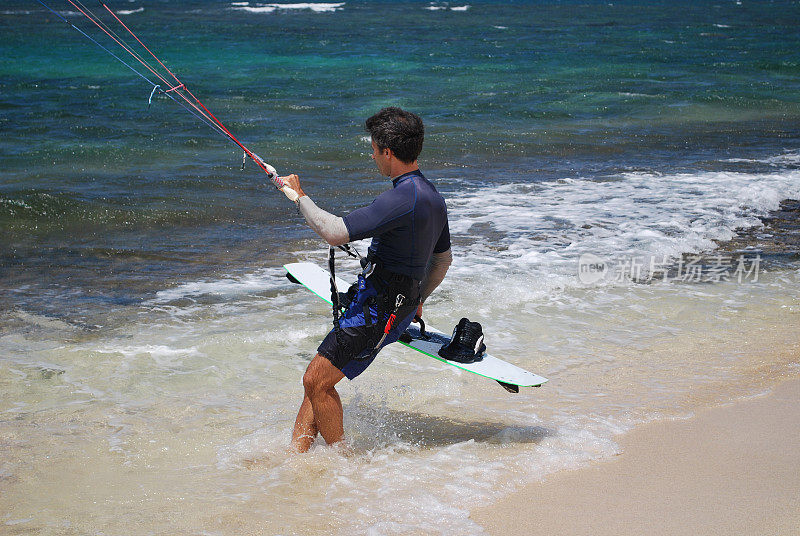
(325, 224)
(443, 244)
(384, 214)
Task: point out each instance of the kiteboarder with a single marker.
(408, 257)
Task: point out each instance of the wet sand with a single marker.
(733, 469)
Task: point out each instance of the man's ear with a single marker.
(388, 153)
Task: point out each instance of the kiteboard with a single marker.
(419, 337)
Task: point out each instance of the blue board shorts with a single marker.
(354, 357)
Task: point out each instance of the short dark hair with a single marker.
(398, 130)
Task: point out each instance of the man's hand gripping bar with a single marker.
(277, 181)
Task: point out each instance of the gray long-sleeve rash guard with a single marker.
(331, 228)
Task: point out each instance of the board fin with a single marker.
(422, 333)
(510, 387)
(292, 278)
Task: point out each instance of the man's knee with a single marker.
(320, 375)
(310, 381)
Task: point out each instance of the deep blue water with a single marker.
(104, 201)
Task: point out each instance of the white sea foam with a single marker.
(643, 95)
(445, 6)
(206, 393)
(129, 11)
(386, 462)
(247, 284)
(788, 158)
(532, 234)
(545, 227)
(257, 9)
(18, 203)
(269, 8)
(319, 8)
(162, 355)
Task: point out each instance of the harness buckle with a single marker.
(369, 267)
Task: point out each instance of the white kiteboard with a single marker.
(511, 377)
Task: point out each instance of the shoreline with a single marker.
(728, 469)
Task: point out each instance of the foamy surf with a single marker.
(445, 6)
(152, 351)
(130, 11)
(539, 231)
(204, 383)
(270, 8)
(268, 279)
(788, 158)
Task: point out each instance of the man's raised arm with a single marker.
(329, 226)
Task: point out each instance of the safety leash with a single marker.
(337, 328)
(399, 301)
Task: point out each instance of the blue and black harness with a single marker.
(383, 302)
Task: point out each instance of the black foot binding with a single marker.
(466, 345)
(510, 387)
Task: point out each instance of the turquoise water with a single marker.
(151, 349)
(94, 182)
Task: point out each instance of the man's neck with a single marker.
(401, 168)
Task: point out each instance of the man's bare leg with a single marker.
(321, 410)
(305, 429)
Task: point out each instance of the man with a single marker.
(410, 252)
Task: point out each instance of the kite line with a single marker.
(175, 89)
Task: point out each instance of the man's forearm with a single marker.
(440, 262)
(330, 227)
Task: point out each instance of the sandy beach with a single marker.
(731, 469)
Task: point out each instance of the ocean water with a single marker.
(622, 182)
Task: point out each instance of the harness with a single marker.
(392, 295)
